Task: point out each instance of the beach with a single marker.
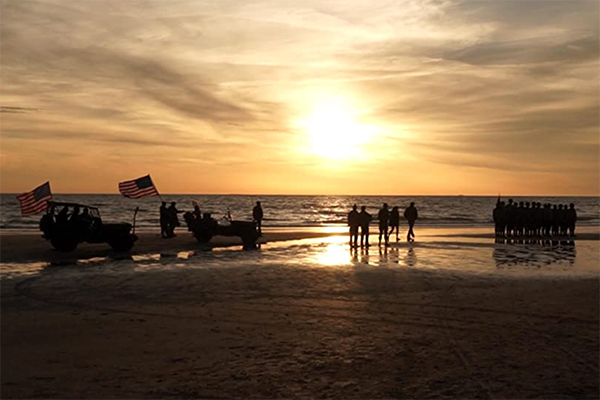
(454, 315)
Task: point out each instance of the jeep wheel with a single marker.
(121, 243)
(249, 240)
(203, 235)
(64, 241)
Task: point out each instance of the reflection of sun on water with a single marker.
(335, 252)
(334, 131)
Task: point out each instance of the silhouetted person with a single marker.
(547, 220)
(257, 215)
(384, 220)
(164, 220)
(560, 218)
(173, 219)
(62, 216)
(528, 219)
(538, 219)
(364, 220)
(509, 211)
(75, 215)
(555, 220)
(197, 213)
(84, 221)
(499, 219)
(353, 223)
(85, 217)
(520, 219)
(571, 218)
(395, 222)
(411, 216)
(563, 223)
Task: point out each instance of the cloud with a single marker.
(529, 51)
(501, 86)
(17, 110)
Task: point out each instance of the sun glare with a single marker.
(334, 131)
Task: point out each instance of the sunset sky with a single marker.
(301, 97)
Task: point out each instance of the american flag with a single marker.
(35, 201)
(138, 188)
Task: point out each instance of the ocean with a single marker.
(293, 211)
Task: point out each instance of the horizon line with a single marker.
(342, 195)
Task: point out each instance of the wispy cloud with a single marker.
(17, 110)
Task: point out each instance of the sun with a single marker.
(334, 131)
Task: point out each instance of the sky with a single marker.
(301, 97)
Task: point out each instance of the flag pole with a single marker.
(159, 196)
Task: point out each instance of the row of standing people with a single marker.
(388, 219)
(534, 219)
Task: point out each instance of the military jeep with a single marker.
(78, 223)
(206, 227)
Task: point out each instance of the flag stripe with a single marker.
(37, 203)
(34, 206)
(144, 193)
(34, 210)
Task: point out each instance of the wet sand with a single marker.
(29, 247)
(304, 319)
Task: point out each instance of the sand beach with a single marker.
(453, 316)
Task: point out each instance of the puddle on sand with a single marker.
(433, 253)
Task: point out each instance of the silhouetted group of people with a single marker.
(169, 220)
(75, 217)
(533, 219)
(388, 219)
(80, 220)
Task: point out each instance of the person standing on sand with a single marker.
(384, 220)
(411, 216)
(163, 220)
(257, 215)
(172, 219)
(499, 219)
(364, 220)
(353, 223)
(394, 222)
(571, 217)
(509, 210)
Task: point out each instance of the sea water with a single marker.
(294, 211)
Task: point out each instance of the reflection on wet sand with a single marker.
(447, 253)
(455, 255)
(533, 253)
